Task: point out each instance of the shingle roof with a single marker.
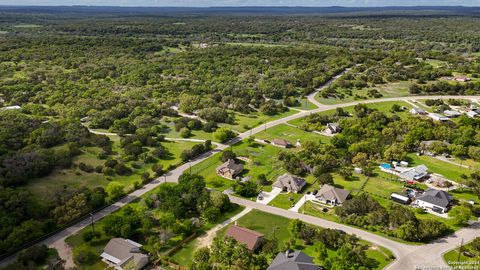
(436, 197)
(120, 250)
(331, 193)
(288, 180)
(295, 260)
(281, 142)
(245, 236)
(231, 165)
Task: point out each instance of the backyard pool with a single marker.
(386, 166)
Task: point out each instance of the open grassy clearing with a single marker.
(27, 25)
(260, 161)
(394, 89)
(436, 63)
(255, 44)
(244, 122)
(45, 187)
(380, 106)
(184, 256)
(450, 171)
(304, 104)
(275, 226)
(291, 134)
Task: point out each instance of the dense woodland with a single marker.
(124, 74)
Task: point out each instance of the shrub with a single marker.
(84, 256)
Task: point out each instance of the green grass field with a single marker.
(394, 89)
(75, 178)
(446, 169)
(291, 134)
(383, 187)
(261, 161)
(380, 106)
(244, 122)
(304, 104)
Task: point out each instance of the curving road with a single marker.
(408, 257)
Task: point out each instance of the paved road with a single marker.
(407, 256)
(58, 240)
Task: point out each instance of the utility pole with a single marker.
(190, 167)
(91, 221)
(460, 251)
(305, 203)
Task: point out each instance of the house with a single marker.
(251, 239)
(333, 128)
(331, 195)
(282, 143)
(15, 107)
(125, 254)
(461, 79)
(438, 117)
(289, 183)
(472, 114)
(451, 113)
(418, 111)
(434, 199)
(415, 173)
(230, 169)
(293, 260)
(400, 198)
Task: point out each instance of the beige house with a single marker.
(290, 183)
(124, 254)
(230, 169)
(331, 195)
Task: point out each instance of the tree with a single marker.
(295, 227)
(185, 132)
(262, 179)
(227, 154)
(461, 214)
(223, 134)
(114, 190)
(325, 178)
(320, 251)
(201, 259)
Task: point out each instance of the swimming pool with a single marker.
(386, 166)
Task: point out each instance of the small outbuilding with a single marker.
(418, 111)
(282, 143)
(400, 198)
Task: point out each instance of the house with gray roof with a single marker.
(331, 195)
(414, 174)
(123, 254)
(230, 169)
(434, 199)
(290, 183)
(293, 260)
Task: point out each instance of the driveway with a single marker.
(269, 196)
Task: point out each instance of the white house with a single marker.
(438, 117)
(472, 114)
(123, 254)
(435, 200)
(417, 111)
(451, 113)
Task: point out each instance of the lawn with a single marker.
(287, 200)
(448, 170)
(436, 63)
(382, 187)
(184, 255)
(380, 106)
(275, 226)
(394, 89)
(291, 134)
(354, 184)
(45, 186)
(452, 257)
(244, 122)
(304, 104)
(261, 160)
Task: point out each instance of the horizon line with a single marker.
(253, 6)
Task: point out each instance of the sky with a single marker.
(206, 3)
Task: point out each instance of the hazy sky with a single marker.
(203, 3)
